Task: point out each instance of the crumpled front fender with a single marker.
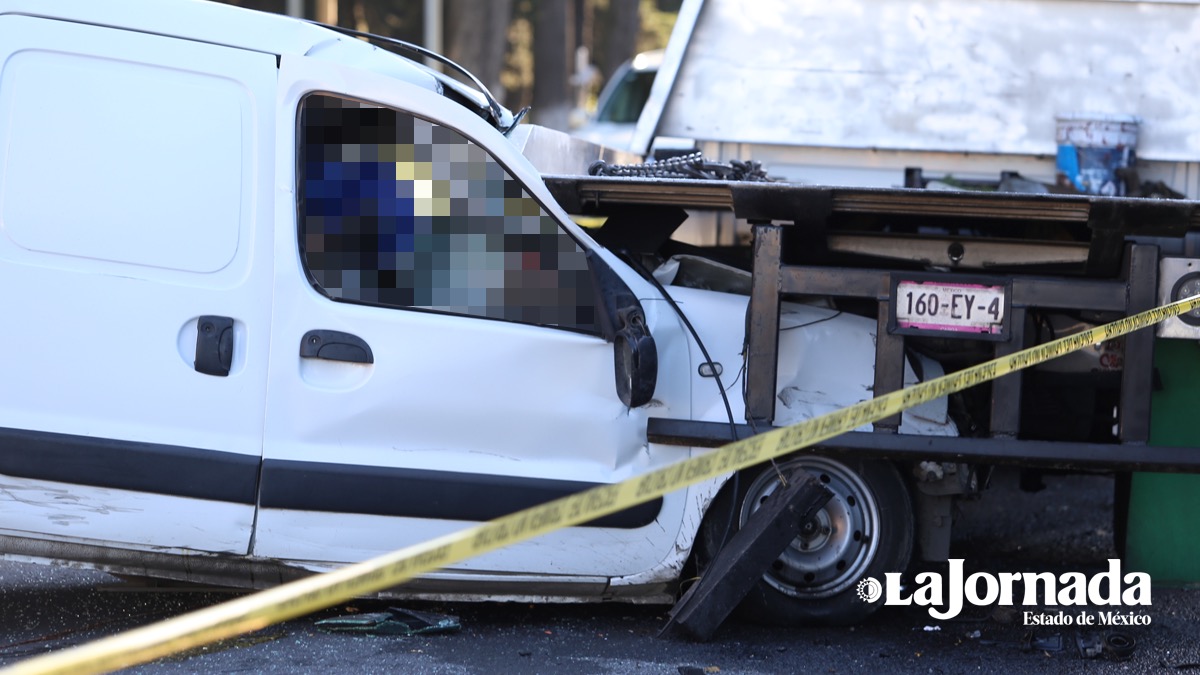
(826, 362)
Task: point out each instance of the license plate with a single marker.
(969, 310)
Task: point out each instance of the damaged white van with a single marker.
(278, 300)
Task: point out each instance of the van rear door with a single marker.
(136, 305)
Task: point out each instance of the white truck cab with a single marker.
(279, 300)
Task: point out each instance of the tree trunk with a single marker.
(327, 12)
(624, 24)
(552, 55)
(477, 38)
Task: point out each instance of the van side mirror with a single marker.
(635, 360)
(623, 323)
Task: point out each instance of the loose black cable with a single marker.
(645, 273)
(641, 269)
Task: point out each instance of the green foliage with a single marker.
(517, 75)
(656, 24)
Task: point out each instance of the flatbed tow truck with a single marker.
(841, 103)
(1122, 256)
(1048, 265)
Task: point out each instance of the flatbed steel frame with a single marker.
(1120, 276)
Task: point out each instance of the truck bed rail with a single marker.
(1122, 237)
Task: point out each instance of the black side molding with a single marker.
(421, 493)
(286, 484)
(129, 465)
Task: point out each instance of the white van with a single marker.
(279, 300)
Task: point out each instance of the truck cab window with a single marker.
(397, 211)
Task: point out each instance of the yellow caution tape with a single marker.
(317, 592)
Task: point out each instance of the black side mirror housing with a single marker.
(635, 361)
(623, 323)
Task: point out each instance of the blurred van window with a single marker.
(628, 97)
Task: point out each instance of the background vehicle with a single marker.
(621, 101)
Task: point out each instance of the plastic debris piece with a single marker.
(1030, 642)
(395, 621)
(1114, 646)
(930, 629)
(1052, 643)
(1089, 645)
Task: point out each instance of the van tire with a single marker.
(865, 530)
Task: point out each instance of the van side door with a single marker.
(438, 357)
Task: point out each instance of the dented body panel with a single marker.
(826, 361)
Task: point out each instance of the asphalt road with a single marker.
(1063, 528)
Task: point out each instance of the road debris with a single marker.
(394, 621)
(1119, 646)
(1114, 646)
(1030, 642)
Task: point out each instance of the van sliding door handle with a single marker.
(214, 345)
(333, 345)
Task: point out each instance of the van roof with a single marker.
(227, 25)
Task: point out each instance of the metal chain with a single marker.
(684, 166)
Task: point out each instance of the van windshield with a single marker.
(627, 99)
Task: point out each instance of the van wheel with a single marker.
(865, 530)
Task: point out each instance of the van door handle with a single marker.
(333, 345)
(214, 345)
